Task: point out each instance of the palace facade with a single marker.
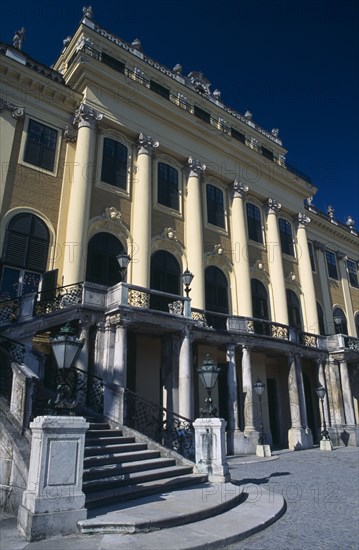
(110, 152)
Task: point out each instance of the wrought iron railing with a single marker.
(9, 311)
(88, 390)
(16, 350)
(58, 298)
(351, 343)
(210, 319)
(311, 340)
(160, 424)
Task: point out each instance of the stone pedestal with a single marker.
(245, 443)
(263, 451)
(326, 445)
(300, 438)
(53, 501)
(210, 449)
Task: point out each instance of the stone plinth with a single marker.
(245, 442)
(211, 449)
(263, 451)
(300, 438)
(53, 501)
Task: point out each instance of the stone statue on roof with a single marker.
(18, 39)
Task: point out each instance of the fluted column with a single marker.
(275, 264)
(10, 113)
(242, 292)
(310, 314)
(347, 393)
(194, 231)
(185, 378)
(349, 310)
(80, 196)
(247, 390)
(323, 278)
(233, 408)
(141, 211)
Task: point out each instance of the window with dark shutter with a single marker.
(114, 163)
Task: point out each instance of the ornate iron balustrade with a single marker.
(351, 343)
(9, 311)
(311, 340)
(162, 425)
(59, 298)
(88, 390)
(16, 350)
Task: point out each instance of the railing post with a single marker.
(187, 308)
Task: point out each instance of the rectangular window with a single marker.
(113, 63)
(203, 115)
(331, 264)
(238, 135)
(311, 255)
(353, 273)
(215, 206)
(40, 145)
(114, 163)
(286, 237)
(160, 90)
(254, 223)
(167, 186)
(267, 153)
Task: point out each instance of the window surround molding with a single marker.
(161, 157)
(53, 253)
(106, 224)
(259, 205)
(337, 280)
(215, 183)
(355, 264)
(24, 137)
(284, 216)
(116, 136)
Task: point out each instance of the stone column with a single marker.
(347, 393)
(116, 378)
(10, 113)
(233, 408)
(299, 435)
(323, 278)
(247, 390)
(142, 211)
(53, 502)
(275, 264)
(194, 231)
(322, 382)
(75, 247)
(310, 315)
(239, 243)
(349, 309)
(185, 377)
(82, 362)
(336, 404)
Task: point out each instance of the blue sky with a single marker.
(292, 63)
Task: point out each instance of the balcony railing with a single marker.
(59, 298)
(9, 311)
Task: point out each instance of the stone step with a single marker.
(92, 434)
(98, 426)
(99, 460)
(111, 440)
(110, 470)
(97, 500)
(112, 449)
(133, 478)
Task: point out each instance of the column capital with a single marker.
(16, 111)
(146, 144)
(302, 220)
(195, 166)
(246, 347)
(240, 190)
(273, 206)
(86, 117)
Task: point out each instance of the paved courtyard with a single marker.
(321, 490)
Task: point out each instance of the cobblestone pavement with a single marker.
(321, 490)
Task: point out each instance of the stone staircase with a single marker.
(117, 468)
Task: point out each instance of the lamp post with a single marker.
(259, 389)
(187, 278)
(66, 348)
(324, 434)
(123, 260)
(208, 373)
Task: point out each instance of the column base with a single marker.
(344, 435)
(263, 451)
(245, 443)
(300, 438)
(326, 445)
(42, 526)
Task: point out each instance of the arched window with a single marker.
(254, 223)
(24, 255)
(321, 319)
(259, 300)
(165, 276)
(216, 289)
(294, 314)
(340, 321)
(102, 266)
(286, 237)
